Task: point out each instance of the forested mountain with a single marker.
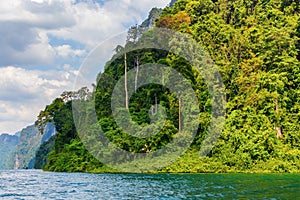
(8, 145)
(29, 141)
(19, 151)
(256, 47)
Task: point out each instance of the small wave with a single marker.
(16, 195)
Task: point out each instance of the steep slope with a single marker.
(47, 145)
(152, 18)
(49, 132)
(255, 45)
(29, 141)
(8, 145)
(173, 2)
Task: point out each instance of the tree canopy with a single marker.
(256, 47)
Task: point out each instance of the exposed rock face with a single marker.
(48, 132)
(172, 3)
(153, 16)
(8, 145)
(17, 162)
(29, 142)
(48, 141)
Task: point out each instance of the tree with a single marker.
(125, 82)
(133, 36)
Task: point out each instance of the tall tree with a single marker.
(125, 82)
(134, 34)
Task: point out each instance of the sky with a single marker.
(43, 44)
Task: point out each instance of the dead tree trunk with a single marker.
(278, 128)
(125, 82)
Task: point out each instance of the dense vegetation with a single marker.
(256, 47)
(18, 151)
(47, 144)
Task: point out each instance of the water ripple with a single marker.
(35, 184)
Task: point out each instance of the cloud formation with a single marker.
(26, 26)
(43, 42)
(24, 93)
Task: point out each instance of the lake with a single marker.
(36, 184)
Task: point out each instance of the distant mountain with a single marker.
(8, 145)
(47, 145)
(49, 131)
(18, 133)
(152, 17)
(172, 3)
(41, 157)
(29, 142)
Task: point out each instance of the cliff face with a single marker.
(172, 3)
(29, 142)
(48, 132)
(8, 145)
(153, 16)
(48, 140)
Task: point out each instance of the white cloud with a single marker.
(24, 93)
(67, 51)
(95, 23)
(26, 25)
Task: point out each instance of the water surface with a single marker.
(35, 184)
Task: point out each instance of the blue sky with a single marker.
(44, 42)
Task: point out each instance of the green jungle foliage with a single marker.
(41, 157)
(256, 47)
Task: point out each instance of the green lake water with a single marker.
(35, 184)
